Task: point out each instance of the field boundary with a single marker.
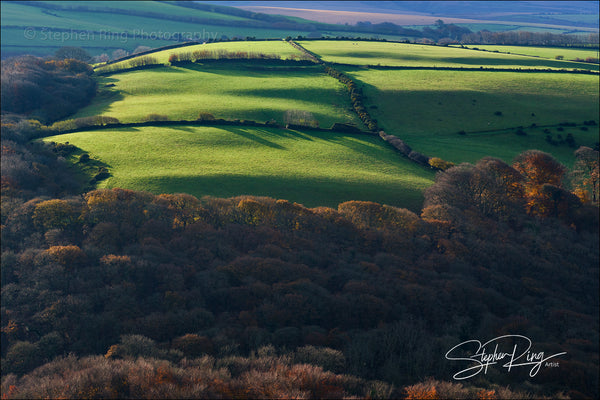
(360, 109)
(485, 69)
(336, 127)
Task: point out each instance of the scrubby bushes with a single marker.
(222, 54)
(83, 122)
(300, 118)
(155, 117)
(439, 164)
(142, 61)
(204, 116)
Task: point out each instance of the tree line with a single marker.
(526, 38)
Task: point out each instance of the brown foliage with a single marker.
(68, 256)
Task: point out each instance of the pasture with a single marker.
(235, 90)
(278, 47)
(415, 55)
(428, 108)
(544, 52)
(315, 169)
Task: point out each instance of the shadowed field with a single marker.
(316, 169)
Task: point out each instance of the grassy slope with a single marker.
(310, 168)
(401, 54)
(467, 101)
(545, 52)
(227, 91)
(279, 47)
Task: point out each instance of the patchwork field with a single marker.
(428, 108)
(413, 55)
(315, 169)
(234, 90)
(501, 114)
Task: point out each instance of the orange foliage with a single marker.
(486, 394)
(55, 213)
(421, 391)
(67, 255)
(12, 391)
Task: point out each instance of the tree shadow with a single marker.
(309, 191)
(246, 133)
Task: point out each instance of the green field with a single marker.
(544, 52)
(279, 47)
(428, 108)
(315, 169)
(414, 55)
(230, 91)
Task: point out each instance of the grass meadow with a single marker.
(414, 55)
(279, 47)
(230, 91)
(428, 108)
(314, 169)
(544, 52)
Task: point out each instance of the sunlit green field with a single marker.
(545, 52)
(314, 169)
(229, 91)
(428, 108)
(279, 47)
(414, 55)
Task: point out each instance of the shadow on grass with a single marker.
(88, 172)
(247, 133)
(311, 192)
(244, 69)
(103, 100)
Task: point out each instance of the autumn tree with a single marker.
(585, 174)
(539, 169)
(56, 214)
(491, 187)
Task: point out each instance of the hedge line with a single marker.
(99, 122)
(488, 69)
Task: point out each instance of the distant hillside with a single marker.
(106, 27)
(571, 14)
